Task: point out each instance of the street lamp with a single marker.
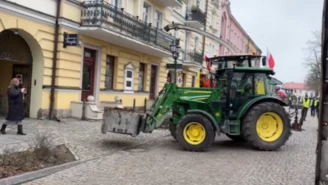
(175, 50)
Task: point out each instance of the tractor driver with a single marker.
(244, 89)
(247, 89)
(246, 85)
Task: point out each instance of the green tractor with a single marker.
(240, 107)
(290, 95)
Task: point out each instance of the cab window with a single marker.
(243, 83)
(260, 84)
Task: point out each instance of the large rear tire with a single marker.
(195, 133)
(267, 126)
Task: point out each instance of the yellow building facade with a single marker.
(120, 52)
(251, 47)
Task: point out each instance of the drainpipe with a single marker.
(204, 38)
(205, 25)
(54, 62)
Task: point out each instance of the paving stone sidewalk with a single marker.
(83, 138)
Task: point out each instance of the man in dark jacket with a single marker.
(15, 107)
(314, 106)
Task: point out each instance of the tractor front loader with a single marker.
(239, 107)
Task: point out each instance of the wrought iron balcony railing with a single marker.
(196, 14)
(104, 15)
(196, 56)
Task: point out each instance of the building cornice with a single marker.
(25, 12)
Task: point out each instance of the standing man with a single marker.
(306, 103)
(317, 105)
(312, 108)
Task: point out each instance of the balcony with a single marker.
(193, 58)
(109, 23)
(195, 18)
(170, 3)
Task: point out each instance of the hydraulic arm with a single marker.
(128, 122)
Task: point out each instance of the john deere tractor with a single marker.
(240, 107)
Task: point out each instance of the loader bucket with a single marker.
(121, 121)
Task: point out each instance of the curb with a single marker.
(29, 176)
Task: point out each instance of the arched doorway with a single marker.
(15, 61)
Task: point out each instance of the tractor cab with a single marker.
(240, 81)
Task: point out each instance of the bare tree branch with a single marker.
(312, 61)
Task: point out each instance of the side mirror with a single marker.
(264, 61)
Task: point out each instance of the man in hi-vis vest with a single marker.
(306, 103)
(314, 105)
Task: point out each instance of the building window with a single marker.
(128, 78)
(198, 3)
(130, 6)
(211, 50)
(158, 19)
(193, 81)
(116, 3)
(141, 84)
(146, 13)
(183, 80)
(196, 43)
(109, 75)
(213, 19)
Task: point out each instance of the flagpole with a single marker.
(267, 57)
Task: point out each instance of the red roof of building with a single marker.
(293, 85)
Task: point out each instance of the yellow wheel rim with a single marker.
(269, 127)
(194, 133)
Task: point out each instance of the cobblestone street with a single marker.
(156, 159)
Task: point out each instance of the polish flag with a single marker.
(270, 60)
(208, 63)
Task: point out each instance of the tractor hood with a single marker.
(200, 98)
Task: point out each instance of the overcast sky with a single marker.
(284, 26)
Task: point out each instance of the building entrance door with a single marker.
(153, 80)
(89, 62)
(15, 62)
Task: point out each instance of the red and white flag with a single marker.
(270, 60)
(208, 63)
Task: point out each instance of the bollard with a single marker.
(134, 105)
(83, 110)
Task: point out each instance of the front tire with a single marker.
(173, 130)
(195, 133)
(267, 126)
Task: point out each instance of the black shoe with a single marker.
(3, 129)
(20, 130)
